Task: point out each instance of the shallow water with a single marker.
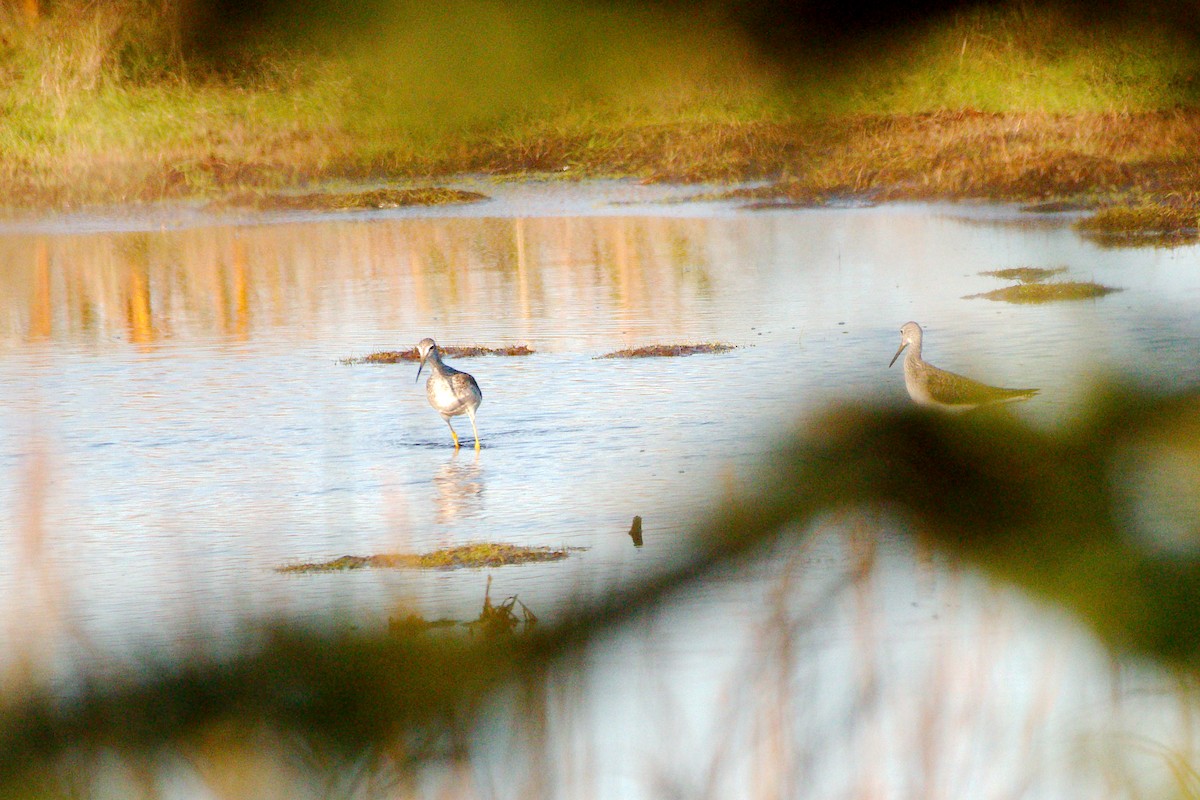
(178, 420)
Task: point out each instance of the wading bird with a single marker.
(929, 386)
(450, 391)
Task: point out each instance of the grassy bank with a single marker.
(104, 103)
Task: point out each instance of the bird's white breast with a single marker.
(442, 397)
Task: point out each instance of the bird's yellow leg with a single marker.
(476, 431)
(455, 435)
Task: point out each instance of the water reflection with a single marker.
(41, 304)
(230, 282)
(459, 486)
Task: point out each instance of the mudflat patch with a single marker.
(1025, 274)
(482, 554)
(453, 351)
(670, 350)
(1052, 292)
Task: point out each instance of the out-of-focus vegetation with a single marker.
(1047, 57)
(138, 100)
(1058, 513)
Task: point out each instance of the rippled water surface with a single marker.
(180, 420)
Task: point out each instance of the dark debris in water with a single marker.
(501, 619)
(670, 350)
(346, 201)
(495, 619)
(635, 531)
(453, 351)
(1025, 274)
(1053, 292)
(481, 554)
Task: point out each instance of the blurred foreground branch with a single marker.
(1094, 517)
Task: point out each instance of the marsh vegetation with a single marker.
(1047, 292)
(1173, 222)
(133, 102)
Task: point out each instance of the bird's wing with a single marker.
(466, 388)
(952, 389)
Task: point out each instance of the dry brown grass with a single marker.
(1090, 159)
(951, 155)
(1019, 157)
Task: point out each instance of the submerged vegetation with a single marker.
(479, 554)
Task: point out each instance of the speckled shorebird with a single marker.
(929, 386)
(450, 391)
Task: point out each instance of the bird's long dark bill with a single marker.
(898, 352)
(419, 371)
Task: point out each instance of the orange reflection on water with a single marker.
(139, 316)
(41, 310)
(524, 276)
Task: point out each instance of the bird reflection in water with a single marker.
(459, 485)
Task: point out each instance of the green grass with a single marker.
(104, 103)
(1022, 57)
